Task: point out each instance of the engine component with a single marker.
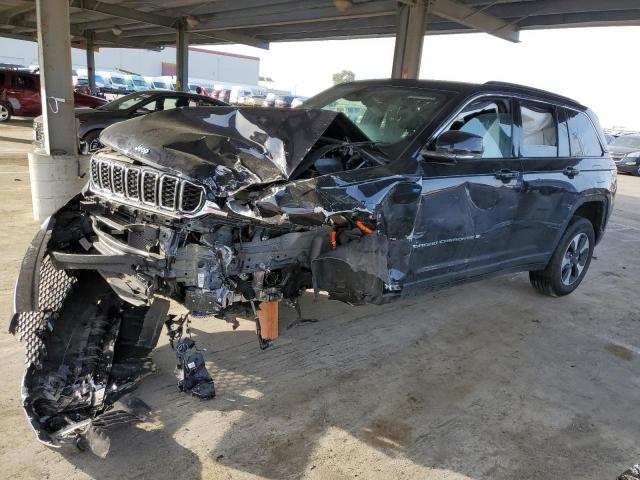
(195, 377)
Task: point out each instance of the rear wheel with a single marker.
(570, 261)
(5, 112)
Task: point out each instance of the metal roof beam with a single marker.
(307, 15)
(127, 13)
(473, 18)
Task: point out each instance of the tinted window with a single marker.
(24, 81)
(583, 137)
(491, 120)
(539, 132)
(1, 78)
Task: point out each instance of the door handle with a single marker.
(570, 172)
(506, 175)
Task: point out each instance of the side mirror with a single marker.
(456, 145)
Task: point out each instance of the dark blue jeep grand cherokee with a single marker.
(371, 191)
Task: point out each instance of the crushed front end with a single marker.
(216, 209)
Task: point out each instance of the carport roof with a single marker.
(151, 23)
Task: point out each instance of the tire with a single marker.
(5, 112)
(90, 142)
(638, 171)
(569, 262)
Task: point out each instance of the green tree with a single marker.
(343, 76)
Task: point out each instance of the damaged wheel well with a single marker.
(594, 212)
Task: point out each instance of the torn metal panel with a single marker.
(227, 148)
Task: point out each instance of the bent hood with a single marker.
(228, 148)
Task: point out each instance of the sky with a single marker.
(599, 67)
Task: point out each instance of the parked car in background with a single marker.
(114, 83)
(298, 101)
(160, 84)
(283, 101)
(625, 152)
(92, 122)
(20, 95)
(254, 100)
(269, 100)
(139, 83)
(224, 95)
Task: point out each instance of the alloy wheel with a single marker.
(4, 113)
(574, 259)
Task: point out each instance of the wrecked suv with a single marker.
(371, 192)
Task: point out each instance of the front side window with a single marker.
(490, 119)
(539, 130)
(582, 135)
(388, 115)
(27, 82)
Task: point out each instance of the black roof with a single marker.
(469, 89)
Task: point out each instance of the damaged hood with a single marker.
(227, 148)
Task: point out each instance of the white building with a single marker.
(220, 67)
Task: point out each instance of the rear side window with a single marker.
(539, 130)
(24, 81)
(582, 136)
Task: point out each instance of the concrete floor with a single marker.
(484, 381)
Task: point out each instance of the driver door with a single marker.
(469, 205)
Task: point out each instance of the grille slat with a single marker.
(190, 197)
(133, 183)
(149, 187)
(105, 176)
(117, 174)
(145, 187)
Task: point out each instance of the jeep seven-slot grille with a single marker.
(145, 187)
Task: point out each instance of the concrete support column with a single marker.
(56, 172)
(412, 22)
(55, 76)
(182, 57)
(91, 63)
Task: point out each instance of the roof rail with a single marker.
(532, 89)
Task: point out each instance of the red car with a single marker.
(20, 95)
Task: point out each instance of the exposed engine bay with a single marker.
(219, 209)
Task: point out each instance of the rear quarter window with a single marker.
(582, 135)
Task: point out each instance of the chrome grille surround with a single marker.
(145, 187)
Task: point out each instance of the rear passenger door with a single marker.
(557, 146)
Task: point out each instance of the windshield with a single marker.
(99, 79)
(118, 81)
(160, 85)
(388, 115)
(139, 82)
(626, 141)
(126, 102)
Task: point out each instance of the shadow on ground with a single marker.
(426, 381)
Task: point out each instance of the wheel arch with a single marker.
(595, 208)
